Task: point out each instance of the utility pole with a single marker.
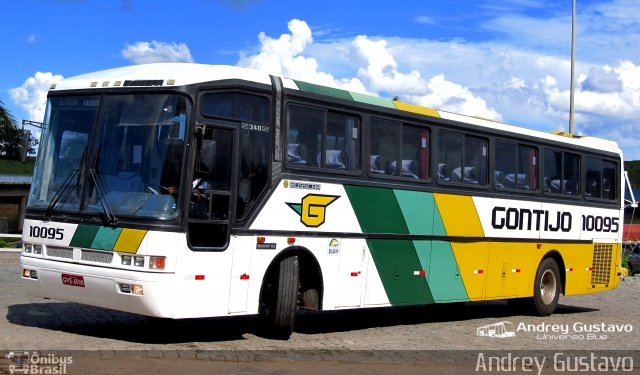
(26, 136)
(573, 64)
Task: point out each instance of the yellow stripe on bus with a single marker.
(416, 109)
(129, 240)
(459, 215)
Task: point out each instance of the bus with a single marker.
(188, 190)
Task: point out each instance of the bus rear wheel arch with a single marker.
(293, 281)
(547, 287)
(548, 284)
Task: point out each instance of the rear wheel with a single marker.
(546, 287)
(281, 299)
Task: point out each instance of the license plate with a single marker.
(73, 280)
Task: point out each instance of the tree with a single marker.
(11, 137)
(10, 134)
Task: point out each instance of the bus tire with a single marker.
(283, 304)
(547, 288)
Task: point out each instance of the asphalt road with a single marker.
(436, 339)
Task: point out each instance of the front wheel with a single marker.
(547, 287)
(281, 299)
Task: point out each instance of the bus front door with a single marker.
(212, 188)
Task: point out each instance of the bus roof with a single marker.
(180, 74)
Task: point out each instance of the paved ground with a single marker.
(431, 339)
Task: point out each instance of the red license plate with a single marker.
(73, 280)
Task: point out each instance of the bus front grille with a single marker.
(97, 256)
(601, 268)
(60, 252)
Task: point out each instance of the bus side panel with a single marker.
(577, 261)
(512, 269)
(202, 282)
(460, 218)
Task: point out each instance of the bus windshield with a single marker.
(117, 155)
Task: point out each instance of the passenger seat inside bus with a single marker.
(376, 164)
(409, 168)
(296, 154)
(335, 159)
(444, 174)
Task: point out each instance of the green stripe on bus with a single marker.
(444, 276)
(418, 210)
(317, 89)
(377, 210)
(84, 235)
(106, 238)
(374, 100)
(397, 262)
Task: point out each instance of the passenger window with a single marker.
(600, 178)
(317, 138)
(515, 166)
(462, 158)
(398, 150)
(561, 173)
(385, 146)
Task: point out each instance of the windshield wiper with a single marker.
(63, 191)
(108, 212)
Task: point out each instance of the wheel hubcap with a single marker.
(548, 287)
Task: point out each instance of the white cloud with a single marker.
(376, 71)
(455, 98)
(32, 95)
(425, 20)
(284, 56)
(154, 52)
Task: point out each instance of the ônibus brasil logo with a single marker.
(312, 208)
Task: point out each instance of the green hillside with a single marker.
(16, 167)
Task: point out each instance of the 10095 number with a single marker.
(46, 232)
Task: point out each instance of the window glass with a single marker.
(515, 166)
(609, 180)
(462, 158)
(475, 161)
(236, 106)
(600, 178)
(254, 156)
(449, 156)
(415, 155)
(385, 144)
(506, 164)
(571, 172)
(527, 168)
(553, 171)
(140, 155)
(593, 177)
(130, 167)
(62, 156)
(561, 172)
(340, 143)
(321, 139)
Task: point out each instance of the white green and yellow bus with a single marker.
(186, 190)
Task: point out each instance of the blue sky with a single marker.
(507, 60)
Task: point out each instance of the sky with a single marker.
(506, 60)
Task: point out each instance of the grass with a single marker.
(16, 167)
